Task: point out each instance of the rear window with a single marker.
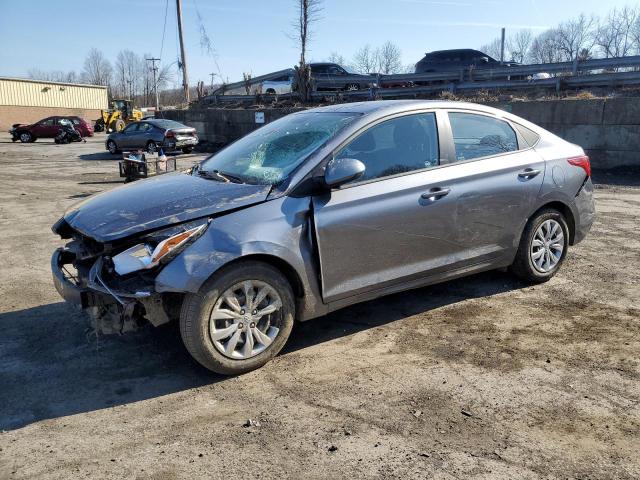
(168, 124)
(477, 136)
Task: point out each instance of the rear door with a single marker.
(494, 177)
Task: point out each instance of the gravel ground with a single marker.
(483, 377)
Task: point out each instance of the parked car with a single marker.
(453, 60)
(278, 85)
(48, 128)
(324, 76)
(271, 229)
(152, 135)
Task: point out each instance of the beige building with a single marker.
(27, 101)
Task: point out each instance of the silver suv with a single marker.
(319, 210)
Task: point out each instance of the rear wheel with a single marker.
(26, 137)
(352, 87)
(240, 319)
(543, 247)
(152, 147)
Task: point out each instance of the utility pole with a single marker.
(155, 81)
(212, 75)
(185, 79)
(502, 46)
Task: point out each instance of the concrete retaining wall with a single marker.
(608, 129)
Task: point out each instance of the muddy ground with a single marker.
(483, 377)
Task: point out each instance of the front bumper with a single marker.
(91, 291)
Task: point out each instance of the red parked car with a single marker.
(48, 128)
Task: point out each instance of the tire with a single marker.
(117, 125)
(525, 266)
(351, 87)
(112, 147)
(99, 126)
(197, 308)
(152, 147)
(270, 91)
(26, 137)
(187, 150)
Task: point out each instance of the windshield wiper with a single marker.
(220, 176)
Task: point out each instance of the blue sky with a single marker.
(251, 35)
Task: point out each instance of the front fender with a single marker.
(279, 228)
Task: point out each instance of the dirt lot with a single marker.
(483, 377)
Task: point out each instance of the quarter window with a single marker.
(478, 136)
(396, 146)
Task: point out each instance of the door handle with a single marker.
(529, 173)
(435, 193)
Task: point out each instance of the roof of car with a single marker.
(455, 50)
(390, 106)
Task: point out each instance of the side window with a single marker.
(144, 127)
(132, 127)
(48, 121)
(396, 146)
(478, 136)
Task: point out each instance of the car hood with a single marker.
(157, 202)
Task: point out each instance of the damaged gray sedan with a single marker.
(319, 210)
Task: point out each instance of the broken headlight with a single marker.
(158, 247)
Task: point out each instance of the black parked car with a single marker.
(453, 60)
(322, 73)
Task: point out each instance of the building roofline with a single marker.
(31, 80)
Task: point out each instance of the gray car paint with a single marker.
(367, 252)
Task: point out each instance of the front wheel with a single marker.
(351, 87)
(542, 248)
(240, 319)
(112, 147)
(26, 137)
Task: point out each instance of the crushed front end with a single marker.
(114, 282)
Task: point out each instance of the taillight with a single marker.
(583, 162)
(170, 134)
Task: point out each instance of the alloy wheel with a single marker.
(25, 137)
(245, 320)
(547, 246)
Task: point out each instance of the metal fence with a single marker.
(601, 72)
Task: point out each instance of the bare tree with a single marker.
(308, 14)
(53, 76)
(492, 48)
(576, 35)
(129, 73)
(335, 57)
(519, 44)
(97, 69)
(614, 36)
(545, 48)
(366, 60)
(389, 58)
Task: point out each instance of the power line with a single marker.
(164, 28)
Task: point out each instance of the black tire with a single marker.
(197, 308)
(99, 126)
(351, 87)
(26, 137)
(112, 147)
(152, 147)
(523, 266)
(187, 150)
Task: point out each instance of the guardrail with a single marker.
(595, 72)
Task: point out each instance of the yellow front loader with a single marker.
(118, 116)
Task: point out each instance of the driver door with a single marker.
(383, 229)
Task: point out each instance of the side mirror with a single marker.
(342, 170)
